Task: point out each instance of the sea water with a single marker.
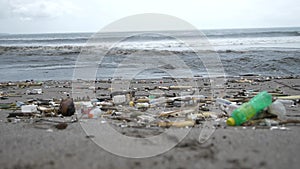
(268, 51)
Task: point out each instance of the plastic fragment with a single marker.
(278, 109)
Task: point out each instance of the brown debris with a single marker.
(61, 126)
(67, 107)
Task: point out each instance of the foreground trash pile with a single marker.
(150, 104)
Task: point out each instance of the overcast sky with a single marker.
(39, 16)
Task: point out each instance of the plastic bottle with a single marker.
(142, 105)
(158, 101)
(95, 113)
(226, 105)
(278, 109)
(248, 110)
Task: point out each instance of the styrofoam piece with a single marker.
(119, 99)
(29, 108)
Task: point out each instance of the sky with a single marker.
(54, 16)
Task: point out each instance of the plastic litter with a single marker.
(142, 105)
(19, 104)
(34, 91)
(226, 105)
(279, 128)
(158, 101)
(248, 110)
(180, 87)
(29, 108)
(131, 103)
(95, 113)
(278, 109)
(270, 122)
(146, 118)
(166, 106)
(119, 99)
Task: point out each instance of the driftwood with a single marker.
(177, 124)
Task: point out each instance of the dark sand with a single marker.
(24, 147)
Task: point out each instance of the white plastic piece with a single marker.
(146, 118)
(95, 113)
(29, 108)
(277, 108)
(37, 91)
(34, 91)
(270, 122)
(119, 99)
(142, 105)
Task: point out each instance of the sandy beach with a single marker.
(149, 84)
(24, 145)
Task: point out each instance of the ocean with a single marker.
(265, 51)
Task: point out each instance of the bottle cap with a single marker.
(131, 103)
(230, 121)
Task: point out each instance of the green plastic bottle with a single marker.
(248, 110)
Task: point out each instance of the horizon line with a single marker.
(234, 28)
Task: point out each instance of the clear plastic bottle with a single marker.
(248, 110)
(226, 105)
(278, 109)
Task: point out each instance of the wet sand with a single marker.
(25, 146)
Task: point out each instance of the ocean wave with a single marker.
(148, 37)
(39, 50)
(42, 40)
(124, 50)
(254, 34)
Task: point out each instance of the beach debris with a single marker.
(271, 122)
(146, 118)
(143, 106)
(61, 126)
(6, 105)
(289, 121)
(278, 109)
(66, 107)
(3, 96)
(248, 110)
(27, 83)
(156, 104)
(242, 80)
(29, 108)
(296, 97)
(279, 128)
(227, 106)
(49, 130)
(19, 103)
(176, 113)
(94, 113)
(46, 110)
(188, 123)
(119, 99)
(180, 87)
(18, 114)
(34, 91)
